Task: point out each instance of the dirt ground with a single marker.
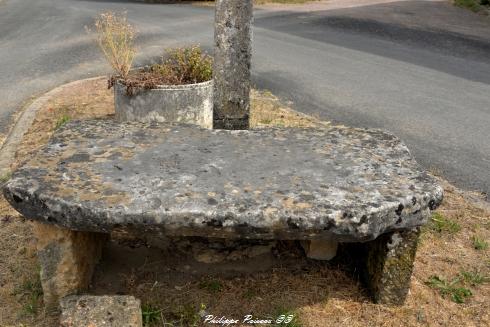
(452, 261)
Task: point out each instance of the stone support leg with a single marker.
(387, 264)
(320, 249)
(67, 259)
(232, 60)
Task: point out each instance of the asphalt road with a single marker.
(416, 68)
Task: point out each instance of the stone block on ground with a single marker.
(320, 249)
(386, 265)
(67, 260)
(100, 311)
(389, 265)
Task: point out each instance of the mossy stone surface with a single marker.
(389, 264)
(333, 183)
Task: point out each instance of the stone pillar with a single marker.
(320, 249)
(232, 60)
(387, 264)
(67, 259)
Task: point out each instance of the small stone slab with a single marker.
(100, 311)
(335, 183)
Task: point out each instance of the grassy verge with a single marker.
(257, 2)
(479, 6)
(449, 286)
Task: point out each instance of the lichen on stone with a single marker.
(336, 183)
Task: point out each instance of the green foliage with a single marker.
(211, 285)
(473, 5)
(151, 315)
(479, 243)
(441, 224)
(454, 288)
(249, 294)
(473, 278)
(62, 121)
(5, 178)
(31, 293)
(189, 315)
(186, 66)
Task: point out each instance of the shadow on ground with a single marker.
(266, 285)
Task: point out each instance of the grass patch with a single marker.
(284, 2)
(268, 111)
(479, 243)
(441, 224)
(62, 121)
(256, 2)
(457, 288)
(5, 178)
(473, 278)
(212, 286)
(151, 315)
(188, 316)
(473, 5)
(249, 294)
(454, 289)
(30, 293)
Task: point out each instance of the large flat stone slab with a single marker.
(334, 183)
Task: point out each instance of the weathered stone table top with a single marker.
(333, 183)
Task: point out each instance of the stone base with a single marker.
(386, 265)
(232, 123)
(67, 259)
(99, 311)
(320, 249)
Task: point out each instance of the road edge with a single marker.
(24, 122)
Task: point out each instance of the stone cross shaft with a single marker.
(232, 58)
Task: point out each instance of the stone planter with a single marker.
(190, 103)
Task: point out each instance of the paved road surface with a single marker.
(420, 69)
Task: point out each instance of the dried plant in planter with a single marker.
(180, 66)
(186, 66)
(115, 37)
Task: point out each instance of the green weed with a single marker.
(189, 315)
(266, 121)
(185, 65)
(249, 294)
(31, 292)
(473, 278)
(5, 177)
(479, 243)
(473, 5)
(62, 121)
(151, 315)
(441, 224)
(213, 286)
(454, 289)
